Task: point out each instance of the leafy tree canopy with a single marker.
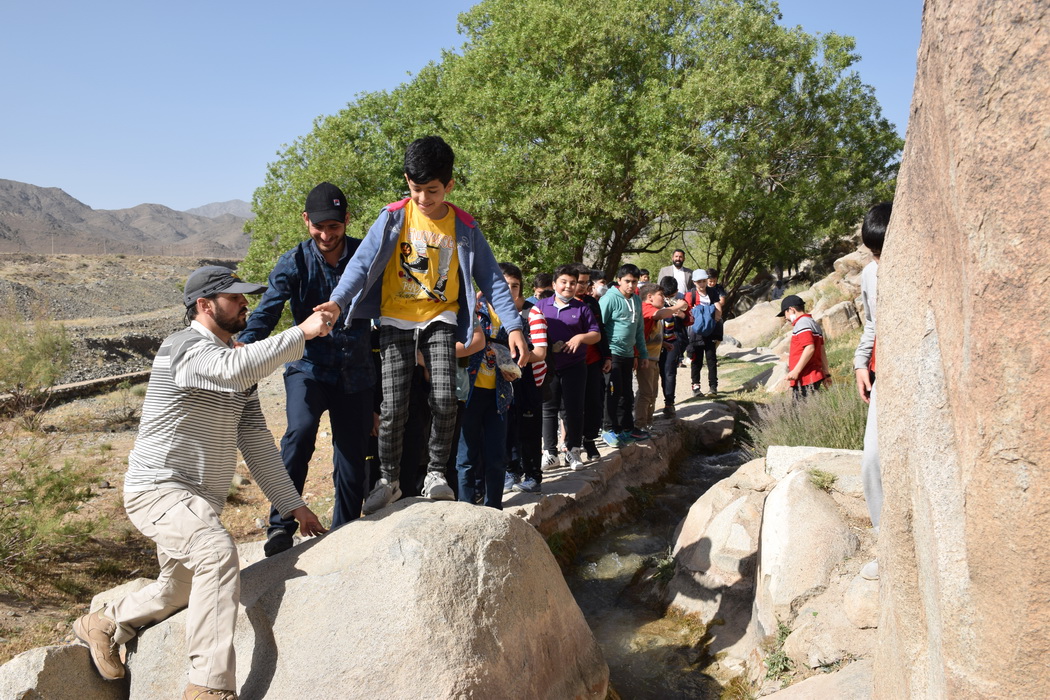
(594, 132)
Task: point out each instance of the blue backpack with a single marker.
(704, 324)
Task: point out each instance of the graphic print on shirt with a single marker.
(422, 281)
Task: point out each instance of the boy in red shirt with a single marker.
(807, 361)
(654, 311)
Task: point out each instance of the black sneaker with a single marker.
(420, 265)
(669, 411)
(592, 451)
(276, 542)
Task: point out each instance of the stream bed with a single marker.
(650, 656)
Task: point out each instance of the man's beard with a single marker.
(233, 323)
(677, 263)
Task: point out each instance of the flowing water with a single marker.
(649, 656)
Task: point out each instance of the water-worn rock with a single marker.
(423, 599)
(963, 360)
(757, 326)
(838, 320)
(57, 673)
(803, 539)
(861, 602)
(781, 460)
(854, 682)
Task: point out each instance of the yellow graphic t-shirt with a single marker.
(421, 281)
(486, 378)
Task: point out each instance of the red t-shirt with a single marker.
(805, 331)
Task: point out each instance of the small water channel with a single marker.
(649, 656)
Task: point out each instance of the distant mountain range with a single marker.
(46, 219)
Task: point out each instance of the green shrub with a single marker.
(825, 481)
(36, 501)
(833, 417)
(33, 355)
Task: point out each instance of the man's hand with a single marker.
(607, 365)
(308, 523)
(519, 349)
(318, 324)
(330, 307)
(863, 383)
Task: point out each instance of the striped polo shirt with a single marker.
(201, 406)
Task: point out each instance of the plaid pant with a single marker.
(397, 348)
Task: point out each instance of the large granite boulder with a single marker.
(963, 359)
(758, 326)
(57, 673)
(423, 600)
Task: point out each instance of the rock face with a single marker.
(424, 600)
(57, 673)
(963, 357)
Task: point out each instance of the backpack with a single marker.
(703, 325)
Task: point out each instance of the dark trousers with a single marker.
(697, 364)
(567, 386)
(482, 449)
(351, 417)
(800, 391)
(669, 370)
(525, 428)
(619, 395)
(593, 401)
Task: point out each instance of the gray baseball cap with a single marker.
(213, 279)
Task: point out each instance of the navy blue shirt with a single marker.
(303, 279)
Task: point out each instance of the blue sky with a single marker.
(120, 103)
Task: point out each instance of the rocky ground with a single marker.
(116, 308)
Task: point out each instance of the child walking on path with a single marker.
(414, 270)
(622, 319)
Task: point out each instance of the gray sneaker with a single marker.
(436, 488)
(384, 493)
(527, 485)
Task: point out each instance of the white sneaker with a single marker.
(574, 458)
(384, 493)
(870, 570)
(436, 488)
(549, 460)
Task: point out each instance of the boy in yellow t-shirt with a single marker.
(413, 271)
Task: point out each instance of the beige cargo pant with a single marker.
(198, 569)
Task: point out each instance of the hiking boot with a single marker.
(199, 692)
(509, 480)
(549, 460)
(527, 485)
(436, 488)
(96, 630)
(574, 459)
(277, 541)
(592, 451)
(384, 493)
(669, 411)
(611, 439)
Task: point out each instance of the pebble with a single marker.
(261, 523)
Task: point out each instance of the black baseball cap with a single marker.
(326, 202)
(213, 279)
(790, 301)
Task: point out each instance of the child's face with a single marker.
(565, 286)
(583, 285)
(656, 299)
(628, 284)
(792, 313)
(701, 284)
(515, 287)
(429, 197)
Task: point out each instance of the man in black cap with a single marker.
(336, 373)
(201, 406)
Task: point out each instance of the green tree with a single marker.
(33, 356)
(603, 132)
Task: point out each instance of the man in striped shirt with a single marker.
(201, 406)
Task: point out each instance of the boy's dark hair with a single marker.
(542, 279)
(712, 272)
(628, 269)
(648, 289)
(582, 269)
(873, 230)
(511, 270)
(429, 158)
(567, 269)
(642, 272)
(670, 285)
